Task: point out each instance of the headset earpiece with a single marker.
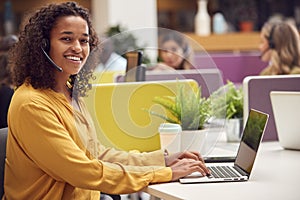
(270, 38)
(187, 51)
(45, 45)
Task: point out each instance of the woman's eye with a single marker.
(84, 41)
(66, 39)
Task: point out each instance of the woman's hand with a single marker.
(185, 163)
(173, 158)
(187, 166)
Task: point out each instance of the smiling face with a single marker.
(69, 43)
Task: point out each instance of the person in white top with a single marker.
(109, 59)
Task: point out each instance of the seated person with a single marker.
(280, 47)
(51, 135)
(174, 52)
(109, 59)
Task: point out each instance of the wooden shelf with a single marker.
(225, 42)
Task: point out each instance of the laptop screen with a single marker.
(251, 139)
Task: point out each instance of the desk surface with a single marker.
(272, 178)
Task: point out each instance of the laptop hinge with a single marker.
(240, 170)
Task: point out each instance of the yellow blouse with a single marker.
(46, 158)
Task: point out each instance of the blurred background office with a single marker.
(173, 14)
(235, 52)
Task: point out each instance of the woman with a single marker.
(174, 51)
(52, 148)
(280, 47)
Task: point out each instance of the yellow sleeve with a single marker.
(51, 144)
(155, 158)
(132, 178)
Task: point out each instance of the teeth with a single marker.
(73, 58)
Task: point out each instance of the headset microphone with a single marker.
(45, 45)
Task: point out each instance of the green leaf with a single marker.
(187, 108)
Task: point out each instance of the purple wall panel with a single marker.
(234, 66)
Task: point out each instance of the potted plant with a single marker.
(227, 103)
(246, 12)
(189, 109)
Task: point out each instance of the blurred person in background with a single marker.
(6, 86)
(280, 47)
(174, 52)
(109, 59)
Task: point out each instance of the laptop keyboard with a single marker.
(222, 172)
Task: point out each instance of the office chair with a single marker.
(3, 137)
(110, 196)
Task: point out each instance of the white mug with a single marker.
(170, 137)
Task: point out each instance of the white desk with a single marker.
(272, 178)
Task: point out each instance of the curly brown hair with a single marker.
(27, 61)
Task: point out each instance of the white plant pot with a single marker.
(234, 129)
(193, 140)
(202, 141)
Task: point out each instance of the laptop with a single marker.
(241, 168)
(286, 109)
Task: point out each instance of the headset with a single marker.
(271, 42)
(45, 48)
(270, 38)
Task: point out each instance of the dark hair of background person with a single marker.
(29, 62)
(6, 86)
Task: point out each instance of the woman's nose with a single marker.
(76, 46)
(169, 54)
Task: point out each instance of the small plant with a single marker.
(187, 108)
(124, 41)
(227, 102)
